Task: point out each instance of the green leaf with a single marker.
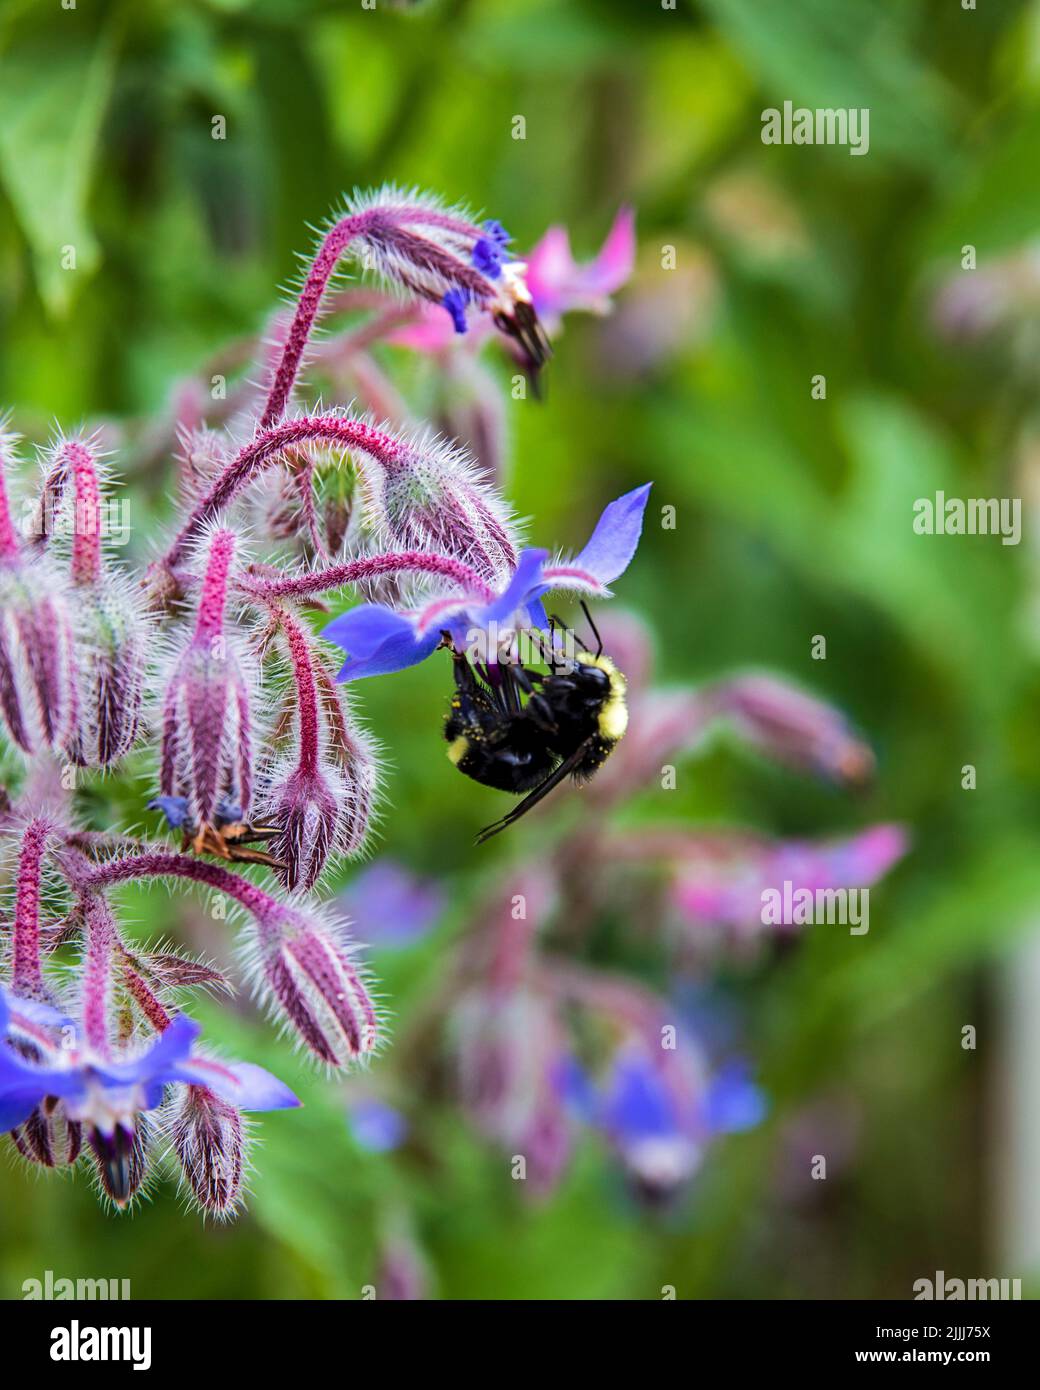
(52, 101)
(818, 54)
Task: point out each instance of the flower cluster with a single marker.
(206, 670)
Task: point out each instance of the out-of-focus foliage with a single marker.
(793, 519)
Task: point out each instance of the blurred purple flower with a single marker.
(390, 906)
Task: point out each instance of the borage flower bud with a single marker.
(306, 804)
(319, 807)
(207, 741)
(208, 1136)
(37, 690)
(305, 968)
(434, 499)
(792, 727)
(111, 629)
(303, 964)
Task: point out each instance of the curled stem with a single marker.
(368, 567)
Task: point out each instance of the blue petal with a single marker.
(43, 1015)
(614, 541)
(733, 1102)
(455, 302)
(487, 257)
(174, 808)
(518, 593)
(242, 1084)
(161, 1062)
(23, 1086)
(496, 232)
(378, 641)
(639, 1105)
(17, 1105)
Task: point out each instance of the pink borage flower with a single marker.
(560, 285)
(380, 640)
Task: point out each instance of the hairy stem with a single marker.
(102, 941)
(27, 970)
(210, 621)
(8, 537)
(368, 567)
(306, 689)
(75, 458)
(160, 864)
(336, 242)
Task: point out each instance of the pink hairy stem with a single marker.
(322, 268)
(335, 245)
(369, 567)
(75, 458)
(102, 944)
(27, 971)
(8, 536)
(160, 864)
(210, 621)
(306, 689)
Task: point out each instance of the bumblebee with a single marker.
(515, 729)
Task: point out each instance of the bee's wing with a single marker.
(542, 790)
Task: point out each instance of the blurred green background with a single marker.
(794, 519)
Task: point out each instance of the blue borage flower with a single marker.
(380, 640)
(107, 1094)
(489, 255)
(659, 1129)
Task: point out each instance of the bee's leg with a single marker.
(594, 628)
(238, 854)
(540, 712)
(465, 676)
